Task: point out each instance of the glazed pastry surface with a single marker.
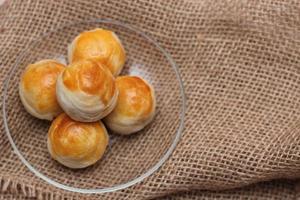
(37, 89)
(76, 144)
(100, 45)
(86, 91)
(135, 106)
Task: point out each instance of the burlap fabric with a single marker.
(239, 61)
(263, 191)
(267, 191)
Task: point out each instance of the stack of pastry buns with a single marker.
(79, 96)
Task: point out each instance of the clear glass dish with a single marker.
(128, 160)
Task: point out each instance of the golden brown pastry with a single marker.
(101, 45)
(37, 89)
(86, 91)
(76, 144)
(135, 106)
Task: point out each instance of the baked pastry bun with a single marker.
(86, 91)
(37, 89)
(76, 144)
(135, 106)
(101, 45)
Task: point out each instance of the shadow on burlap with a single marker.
(240, 64)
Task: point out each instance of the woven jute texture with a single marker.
(239, 61)
(275, 190)
(267, 191)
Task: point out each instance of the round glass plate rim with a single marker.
(122, 185)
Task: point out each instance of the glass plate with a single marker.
(128, 160)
